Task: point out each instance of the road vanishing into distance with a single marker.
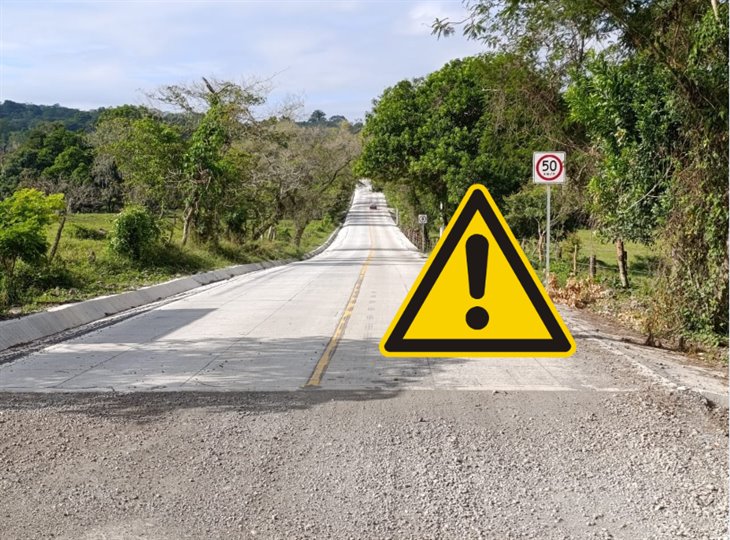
(261, 407)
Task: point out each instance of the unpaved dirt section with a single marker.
(324, 464)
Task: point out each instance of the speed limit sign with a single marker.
(548, 167)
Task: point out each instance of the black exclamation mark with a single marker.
(477, 250)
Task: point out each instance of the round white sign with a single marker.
(548, 167)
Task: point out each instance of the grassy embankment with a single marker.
(85, 267)
(642, 259)
(631, 307)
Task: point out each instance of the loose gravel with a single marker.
(318, 464)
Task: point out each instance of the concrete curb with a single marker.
(41, 325)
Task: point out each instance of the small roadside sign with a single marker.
(548, 167)
(422, 219)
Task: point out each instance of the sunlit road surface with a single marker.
(308, 325)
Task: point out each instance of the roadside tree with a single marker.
(24, 217)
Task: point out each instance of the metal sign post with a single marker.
(547, 244)
(548, 168)
(423, 219)
(441, 227)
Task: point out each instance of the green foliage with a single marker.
(389, 133)
(648, 127)
(570, 242)
(695, 236)
(628, 113)
(209, 170)
(87, 233)
(44, 280)
(525, 211)
(526, 214)
(134, 233)
(24, 217)
(146, 152)
(206, 170)
(474, 120)
(320, 160)
(302, 173)
(126, 112)
(319, 119)
(51, 151)
(84, 268)
(658, 121)
(230, 174)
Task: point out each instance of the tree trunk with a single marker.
(621, 257)
(257, 233)
(444, 221)
(575, 260)
(57, 240)
(187, 224)
(172, 228)
(715, 9)
(299, 231)
(592, 266)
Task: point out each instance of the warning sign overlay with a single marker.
(522, 319)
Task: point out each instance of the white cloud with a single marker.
(337, 55)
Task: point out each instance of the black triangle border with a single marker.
(558, 341)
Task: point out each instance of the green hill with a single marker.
(16, 119)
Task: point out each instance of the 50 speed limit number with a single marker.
(548, 167)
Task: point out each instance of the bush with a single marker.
(47, 280)
(577, 293)
(567, 245)
(24, 217)
(87, 233)
(134, 232)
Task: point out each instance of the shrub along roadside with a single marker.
(87, 267)
(24, 217)
(134, 233)
(632, 308)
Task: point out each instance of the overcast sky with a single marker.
(333, 56)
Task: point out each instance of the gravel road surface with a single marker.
(362, 464)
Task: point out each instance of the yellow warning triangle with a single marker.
(477, 295)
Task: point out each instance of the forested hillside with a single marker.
(16, 119)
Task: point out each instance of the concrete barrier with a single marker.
(37, 326)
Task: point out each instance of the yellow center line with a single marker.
(319, 370)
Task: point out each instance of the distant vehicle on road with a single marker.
(373, 206)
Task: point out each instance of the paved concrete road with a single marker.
(270, 330)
